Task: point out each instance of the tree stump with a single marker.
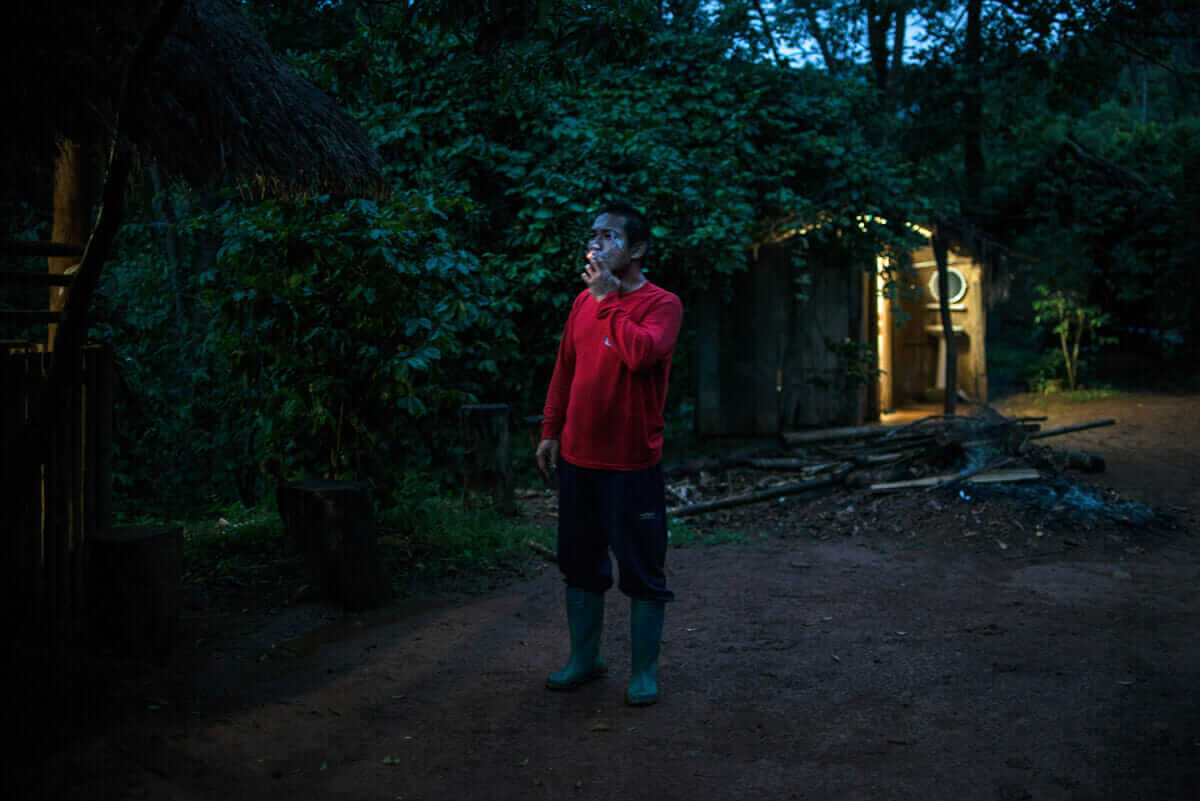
(133, 580)
(487, 454)
(332, 523)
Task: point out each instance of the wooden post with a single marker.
(487, 454)
(976, 327)
(885, 336)
(134, 582)
(332, 523)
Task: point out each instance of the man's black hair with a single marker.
(636, 226)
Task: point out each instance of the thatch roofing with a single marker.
(216, 104)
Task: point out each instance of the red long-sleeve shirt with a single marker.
(606, 399)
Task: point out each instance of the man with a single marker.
(602, 435)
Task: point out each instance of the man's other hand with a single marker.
(547, 458)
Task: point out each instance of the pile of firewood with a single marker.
(933, 452)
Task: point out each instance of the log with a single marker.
(755, 497)
(1083, 461)
(795, 438)
(332, 523)
(1054, 432)
(133, 586)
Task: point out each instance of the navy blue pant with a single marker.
(617, 509)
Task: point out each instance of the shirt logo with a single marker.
(607, 344)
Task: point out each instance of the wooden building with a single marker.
(188, 85)
(784, 349)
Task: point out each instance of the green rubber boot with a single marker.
(645, 632)
(585, 621)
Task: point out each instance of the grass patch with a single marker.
(234, 535)
(432, 538)
(1078, 395)
(438, 536)
(683, 535)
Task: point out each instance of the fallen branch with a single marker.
(869, 459)
(543, 551)
(755, 497)
(793, 463)
(1054, 432)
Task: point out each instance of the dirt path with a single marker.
(1152, 452)
(925, 646)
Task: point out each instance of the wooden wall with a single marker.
(56, 485)
(764, 365)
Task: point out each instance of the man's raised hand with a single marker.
(599, 279)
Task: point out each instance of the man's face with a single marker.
(608, 245)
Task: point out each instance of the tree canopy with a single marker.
(338, 335)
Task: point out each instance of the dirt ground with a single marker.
(990, 643)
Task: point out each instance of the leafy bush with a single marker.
(1072, 322)
(353, 330)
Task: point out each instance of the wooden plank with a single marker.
(990, 477)
(770, 282)
(708, 366)
(25, 248)
(1006, 476)
(31, 278)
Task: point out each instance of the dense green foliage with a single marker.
(269, 339)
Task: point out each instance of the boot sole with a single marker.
(591, 675)
(650, 701)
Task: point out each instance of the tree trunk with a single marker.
(832, 64)
(940, 248)
(893, 81)
(164, 214)
(878, 22)
(770, 37)
(72, 204)
(973, 163)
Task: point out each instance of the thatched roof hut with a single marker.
(215, 104)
